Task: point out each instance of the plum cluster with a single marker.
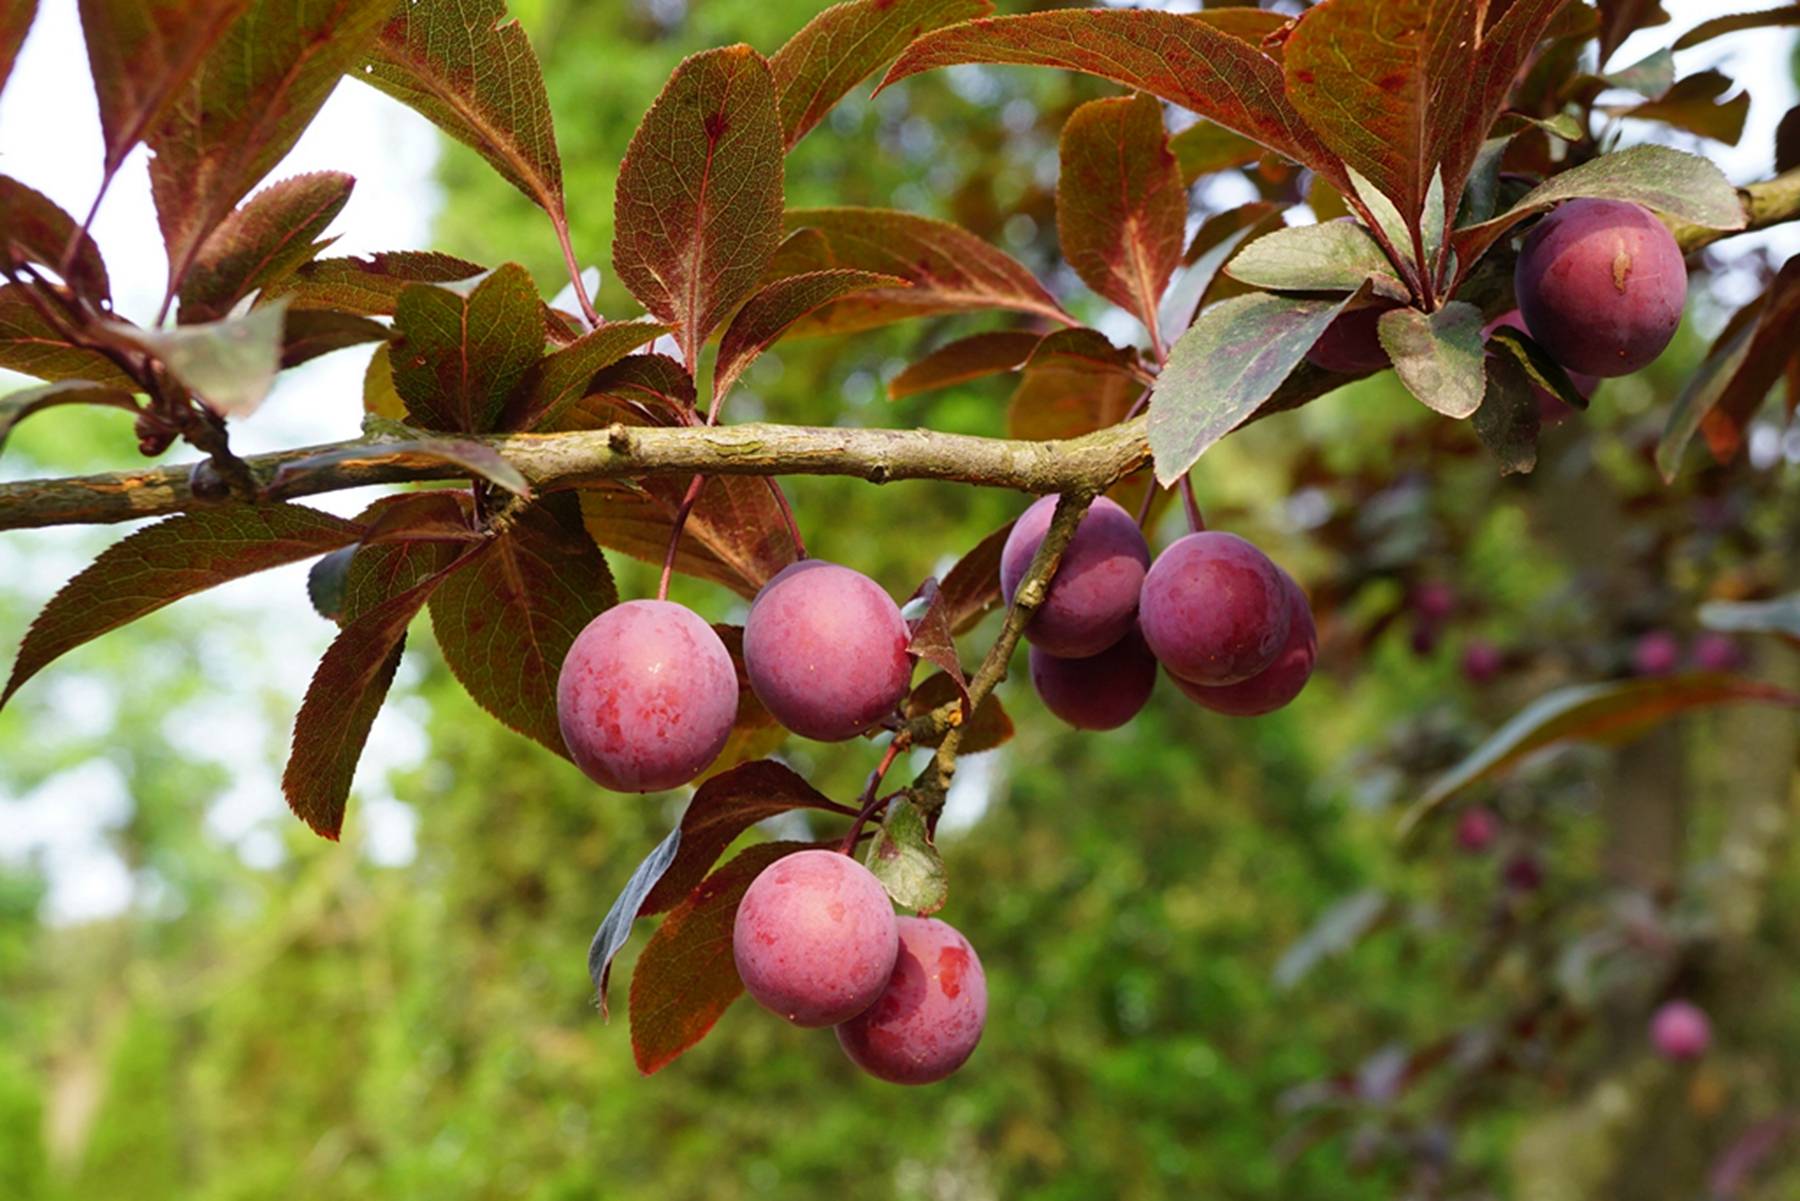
(817, 942)
(1233, 630)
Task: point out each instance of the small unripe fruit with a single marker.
(1680, 1030)
(1100, 692)
(1551, 407)
(1601, 285)
(1482, 661)
(1215, 610)
(927, 1021)
(1718, 652)
(1523, 873)
(1434, 600)
(646, 697)
(1351, 344)
(1275, 685)
(814, 938)
(1094, 594)
(1656, 654)
(1476, 830)
(825, 650)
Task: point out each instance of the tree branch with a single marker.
(1771, 202)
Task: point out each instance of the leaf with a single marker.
(558, 380)
(735, 535)
(230, 364)
(1224, 367)
(1693, 104)
(17, 406)
(1651, 75)
(1780, 616)
(476, 458)
(1381, 81)
(965, 359)
(33, 229)
(971, 589)
(1507, 421)
(722, 809)
(506, 620)
(244, 108)
(307, 334)
(30, 344)
(933, 641)
(1787, 141)
(408, 538)
(1682, 185)
(379, 397)
(988, 728)
(1506, 47)
(1217, 239)
(164, 562)
(1612, 713)
(1619, 19)
(1206, 147)
(1075, 382)
(755, 734)
(1438, 357)
(261, 242)
(368, 286)
(615, 928)
(1187, 59)
(458, 358)
(840, 47)
(1716, 27)
(1332, 256)
(686, 977)
(698, 206)
(15, 21)
(472, 73)
(1727, 355)
(141, 55)
(1540, 369)
(903, 859)
(1121, 208)
(1338, 929)
(771, 312)
(950, 270)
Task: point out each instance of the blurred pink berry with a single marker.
(1434, 600)
(1680, 1030)
(1718, 652)
(1482, 661)
(1656, 654)
(1523, 873)
(1476, 830)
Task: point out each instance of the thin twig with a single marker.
(787, 515)
(1196, 523)
(588, 310)
(868, 802)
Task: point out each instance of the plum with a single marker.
(1601, 284)
(1718, 652)
(1656, 654)
(825, 650)
(646, 697)
(1351, 344)
(1476, 830)
(814, 938)
(927, 1021)
(1482, 661)
(1214, 609)
(1278, 683)
(1100, 692)
(1680, 1030)
(1094, 594)
(1551, 407)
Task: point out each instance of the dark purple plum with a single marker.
(1476, 830)
(825, 650)
(1214, 609)
(1351, 344)
(647, 696)
(1551, 407)
(1277, 684)
(814, 938)
(1094, 594)
(1601, 285)
(1482, 661)
(927, 1021)
(1100, 692)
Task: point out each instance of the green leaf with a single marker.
(1206, 147)
(1217, 239)
(30, 344)
(1394, 227)
(840, 47)
(1332, 256)
(506, 620)
(473, 74)
(261, 242)
(1682, 185)
(371, 286)
(904, 860)
(1768, 18)
(164, 562)
(1536, 363)
(1208, 63)
(141, 55)
(476, 458)
(1693, 104)
(1507, 421)
(1606, 713)
(698, 206)
(37, 231)
(230, 364)
(965, 359)
(772, 311)
(17, 406)
(457, 359)
(245, 107)
(1651, 75)
(1224, 367)
(1121, 208)
(1438, 357)
(686, 976)
(15, 21)
(949, 269)
(558, 380)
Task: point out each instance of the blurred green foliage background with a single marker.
(1214, 970)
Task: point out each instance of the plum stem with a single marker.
(1196, 523)
(681, 516)
(869, 803)
(787, 515)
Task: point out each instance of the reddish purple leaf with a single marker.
(407, 538)
(15, 21)
(261, 242)
(988, 728)
(965, 359)
(1121, 208)
(369, 286)
(1619, 19)
(1506, 47)
(506, 619)
(33, 229)
(934, 641)
(971, 589)
(771, 312)
(1694, 104)
(1766, 358)
(457, 359)
(1075, 382)
(306, 334)
(840, 47)
(30, 344)
(698, 208)
(16, 406)
(558, 380)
